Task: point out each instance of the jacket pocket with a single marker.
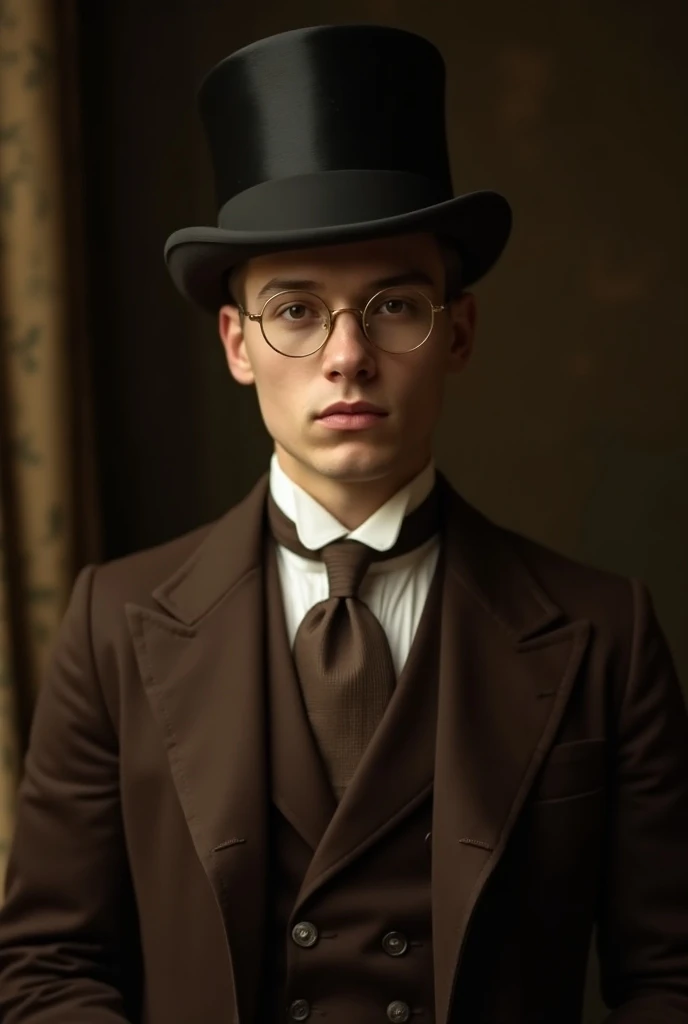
(570, 770)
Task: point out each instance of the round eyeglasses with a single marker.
(298, 324)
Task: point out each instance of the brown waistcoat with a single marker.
(357, 943)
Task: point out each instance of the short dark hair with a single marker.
(234, 285)
(234, 279)
(453, 286)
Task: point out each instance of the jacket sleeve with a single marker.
(68, 899)
(643, 922)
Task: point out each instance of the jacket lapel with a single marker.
(201, 662)
(507, 668)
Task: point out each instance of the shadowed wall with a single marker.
(572, 423)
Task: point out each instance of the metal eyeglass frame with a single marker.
(333, 313)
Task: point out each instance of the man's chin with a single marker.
(354, 467)
(352, 460)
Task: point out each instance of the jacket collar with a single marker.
(481, 555)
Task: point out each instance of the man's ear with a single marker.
(462, 318)
(232, 334)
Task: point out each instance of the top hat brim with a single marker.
(199, 258)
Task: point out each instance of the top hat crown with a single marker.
(323, 135)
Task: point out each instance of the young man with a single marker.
(353, 752)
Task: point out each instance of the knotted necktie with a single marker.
(341, 652)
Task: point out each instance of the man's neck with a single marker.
(351, 502)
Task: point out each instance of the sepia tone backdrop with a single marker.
(572, 424)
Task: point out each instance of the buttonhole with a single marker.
(477, 842)
(227, 843)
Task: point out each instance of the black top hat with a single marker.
(324, 135)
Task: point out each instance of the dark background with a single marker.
(572, 423)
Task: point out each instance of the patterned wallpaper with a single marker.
(34, 421)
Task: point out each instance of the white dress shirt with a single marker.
(395, 590)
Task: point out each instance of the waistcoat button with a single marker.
(398, 1012)
(305, 934)
(300, 1010)
(395, 943)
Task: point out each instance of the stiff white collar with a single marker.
(317, 527)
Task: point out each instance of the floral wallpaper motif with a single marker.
(32, 303)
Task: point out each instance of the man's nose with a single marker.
(348, 353)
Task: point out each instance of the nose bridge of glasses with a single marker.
(357, 313)
(334, 313)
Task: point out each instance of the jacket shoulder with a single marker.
(133, 577)
(581, 590)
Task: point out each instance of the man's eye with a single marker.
(295, 312)
(393, 306)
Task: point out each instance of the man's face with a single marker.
(392, 445)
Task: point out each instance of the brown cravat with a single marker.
(341, 651)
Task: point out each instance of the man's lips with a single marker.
(351, 409)
(351, 416)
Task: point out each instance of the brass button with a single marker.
(305, 934)
(398, 1012)
(395, 943)
(300, 1010)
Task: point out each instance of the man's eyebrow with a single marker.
(283, 284)
(408, 277)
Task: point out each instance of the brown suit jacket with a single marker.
(137, 876)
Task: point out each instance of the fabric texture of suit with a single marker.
(137, 881)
